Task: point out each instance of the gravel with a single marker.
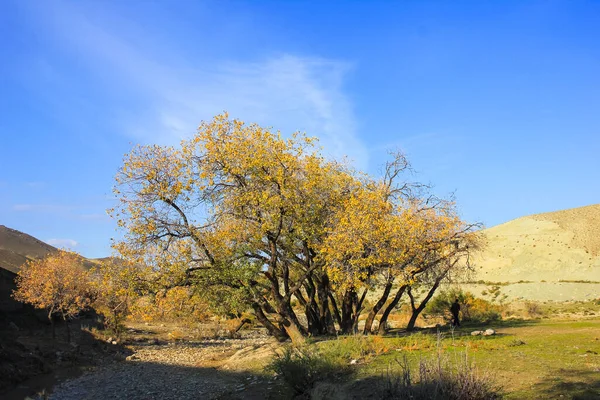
(170, 371)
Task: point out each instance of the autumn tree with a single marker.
(57, 283)
(440, 249)
(115, 284)
(270, 222)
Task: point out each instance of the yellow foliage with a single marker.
(58, 283)
(179, 303)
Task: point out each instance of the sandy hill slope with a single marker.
(561, 246)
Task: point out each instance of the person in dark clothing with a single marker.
(454, 309)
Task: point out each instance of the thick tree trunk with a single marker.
(389, 308)
(311, 309)
(416, 311)
(293, 331)
(327, 325)
(347, 321)
(335, 310)
(373, 313)
(280, 334)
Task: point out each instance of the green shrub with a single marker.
(472, 308)
(302, 367)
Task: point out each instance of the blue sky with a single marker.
(497, 102)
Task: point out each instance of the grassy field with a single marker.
(536, 359)
(543, 358)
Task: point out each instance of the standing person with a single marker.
(454, 309)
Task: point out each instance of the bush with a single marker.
(302, 367)
(533, 309)
(439, 379)
(472, 308)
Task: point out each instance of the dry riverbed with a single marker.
(151, 368)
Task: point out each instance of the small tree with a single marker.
(115, 285)
(57, 283)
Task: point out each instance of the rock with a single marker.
(114, 342)
(353, 362)
(109, 340)
(489, 332)
(476, 333)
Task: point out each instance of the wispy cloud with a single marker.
(68, 243)
(288, 92)
(52, 208)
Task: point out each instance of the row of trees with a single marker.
(259, 222)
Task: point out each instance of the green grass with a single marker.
(529, 359)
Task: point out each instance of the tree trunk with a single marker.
(335, 311)
(347, 321)
(278, 333)
(50, 312)
(358, 309)
(294, 333)
(416, 311)
(311, 309)
(241, 324)
(326, 319)
(373, 313)
(389, 308)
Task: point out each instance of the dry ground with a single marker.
(530, 359)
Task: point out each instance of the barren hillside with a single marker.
(557, 251)
(18, 247)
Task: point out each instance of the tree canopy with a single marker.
(269, 222)
(57, 283)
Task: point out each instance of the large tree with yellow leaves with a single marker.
(270, 224)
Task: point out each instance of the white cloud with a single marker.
(287, 92)
(68, 243)
(51, 208)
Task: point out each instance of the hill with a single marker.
(17, 247)
(556, 252)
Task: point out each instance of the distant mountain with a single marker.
(16, 248)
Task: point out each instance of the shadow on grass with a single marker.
(573, 384)
(465, 329)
